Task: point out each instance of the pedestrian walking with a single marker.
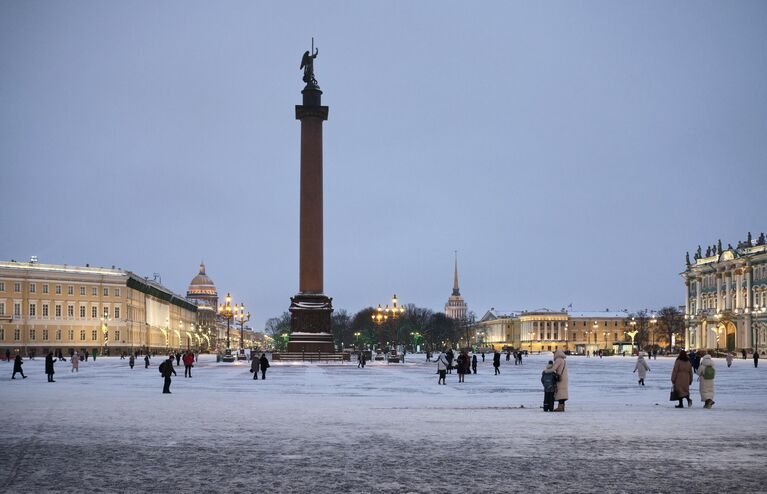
(706, 375)
(94, 354)
(519, 356)
(178, 359)
(146, 361)
(49, 367)
(131, 361)
(508, 355)
(75, 359)
(8, 354)
(563, 377)
(497, 362)
(483, 356)
(361, 359)
(188, 364)
(549, 381)
(463, 364)
(167, 370)
(86, 355)
(756, 358)
(641, 368)
(17, 363)
(264, 365)
(442, 365)
(449, 355)
(681, 378)
(474, 363)
(695, 360)
(254, 364)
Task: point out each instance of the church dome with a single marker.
(201, 284)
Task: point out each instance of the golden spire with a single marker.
(455, 276)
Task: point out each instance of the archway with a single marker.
(730, 331)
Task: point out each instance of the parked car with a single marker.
(228, 356)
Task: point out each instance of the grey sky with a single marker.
(570, 151)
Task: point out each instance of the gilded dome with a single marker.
(201, 284)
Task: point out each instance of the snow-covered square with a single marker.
(384, 428)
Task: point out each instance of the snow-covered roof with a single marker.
(599, 315)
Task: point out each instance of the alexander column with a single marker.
(310, 309)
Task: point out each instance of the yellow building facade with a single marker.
(48, 307)
(545, 330)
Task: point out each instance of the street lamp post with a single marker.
(227, 312)
(380, 317)
(395, 312)
(357, 340)
(240, 317)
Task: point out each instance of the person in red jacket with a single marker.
(188, 363)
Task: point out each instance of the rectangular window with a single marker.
(82, 335)
(45, 310)
(58, 335)
(106, 312)
(94, 312)
(32, 310)
(117, 313)
(94, 335)
(70, 311)
(58, 310)
(94, 291)
(117, 292)
(45, 288)
(82, 290)
(16, 334)
(17, 310)
(106, 291)
(2, 286)
(45, 335)
(70, 290)
(32, 288)
(117, 336)
(17, 287)
(2, 334)
(2, 308)
(58, 289)
(82, 312)
(71, 334)
(32, 335)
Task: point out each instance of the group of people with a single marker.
(682, 378)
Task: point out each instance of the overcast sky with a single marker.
(571, 152)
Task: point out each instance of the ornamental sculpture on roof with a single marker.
(307, 64)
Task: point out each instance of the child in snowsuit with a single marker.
(549, 381)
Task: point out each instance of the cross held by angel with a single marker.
(307, 63)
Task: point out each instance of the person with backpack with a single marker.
(549, 381)
(497, 362)
(641, 367)
(264, 365)
(442, 365)
(560, 367)
(706, 375)
(17, 363)
(166, 370)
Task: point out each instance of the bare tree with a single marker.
(639, 322)
(278, 328)
(670, 321)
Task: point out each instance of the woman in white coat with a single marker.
(706, 385)
(641, 368)
(560, 367)
(75, 362)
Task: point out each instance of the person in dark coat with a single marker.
(681, 378)
(483, 356)
(17, 367)
(497, 362)
(166, 368)
(474, 363)
(449, 355)
(264, 365)
(756, 358)
(8, 354)
(131, 361)
(49, 367)
(549, 381)
(178, 358)
(463, 364)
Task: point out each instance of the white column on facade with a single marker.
(727, 281)
(719, 292)
(687, 297)
(749, 295)
(559, 329)
(698, 291)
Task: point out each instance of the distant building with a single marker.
(547, 330)
(726, 296)
(456, 308)
(49, 307)
(202, 292)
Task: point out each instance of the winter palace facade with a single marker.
(726, 296)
